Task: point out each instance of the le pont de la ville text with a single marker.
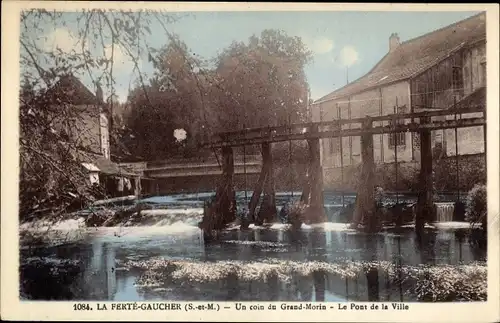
(322, 307)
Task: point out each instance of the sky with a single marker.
(345, 45)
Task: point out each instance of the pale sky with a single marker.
(338, 40)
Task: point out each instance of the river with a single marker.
(166, 259)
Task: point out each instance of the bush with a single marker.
(296, 214)
(476, 205)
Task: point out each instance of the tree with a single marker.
(51, 174)
(173, 99)
(264, 80)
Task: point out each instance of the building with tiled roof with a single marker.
(433, 71)
(79, 116)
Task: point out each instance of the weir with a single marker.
(366, 212)
(445, 211)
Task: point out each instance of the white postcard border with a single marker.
(12, 308)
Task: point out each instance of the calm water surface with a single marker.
(101, 259)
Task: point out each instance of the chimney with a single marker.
(393, 42)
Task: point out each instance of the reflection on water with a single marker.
(269, 264)
(103, 256)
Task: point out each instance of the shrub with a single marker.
(476, 205)
(296, 214)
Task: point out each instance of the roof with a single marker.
(91, 161)
(90, 167)
(106, 166)
(414, 56)
(475, 99)
(69, 89)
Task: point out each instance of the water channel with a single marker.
(166, 258)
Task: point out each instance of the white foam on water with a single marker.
(44, 225)
(160, 212)
(255, 243)
(333, 226)
(452, 225)
(327, 226)
(273, 226)
(169, 217)
(280, 226)
(158, 271)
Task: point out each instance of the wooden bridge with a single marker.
(199, 169)
(421, 122)
(170, 168)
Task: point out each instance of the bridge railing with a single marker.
(335, 128)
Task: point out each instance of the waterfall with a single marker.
(444, 211)
(334, 213)
(170, 217)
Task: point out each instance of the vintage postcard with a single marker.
(250, 162)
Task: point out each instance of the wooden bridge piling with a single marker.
(365, 207)
(267, 211)
(364, 210)
(257, 191)
(314, 199)
(225, 194)
(424, 206)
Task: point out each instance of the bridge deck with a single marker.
(461, 118)
(200, 170)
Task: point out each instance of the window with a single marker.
(334, 145)
(458, 80)
(399, 138)
(334, 142)
(321, 113)
(439, 138)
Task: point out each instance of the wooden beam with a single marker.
(364, 210)
(424, 206)
(388, 117)
(410, 127)
(267, 211)
(225, 206)
(315, 211)
(257, 191)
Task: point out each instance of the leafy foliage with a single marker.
(477, 205)
(261, 82)
(265, 79)
(256, 84)
(52, 179)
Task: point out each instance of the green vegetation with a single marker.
(185, 91)
(477, 206)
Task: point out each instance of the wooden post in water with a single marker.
(315, 211)
(257, 191)
(364, 210)
(267, 212)
(424, 199)
(225, 195)
(396, 154)
(339, 116)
